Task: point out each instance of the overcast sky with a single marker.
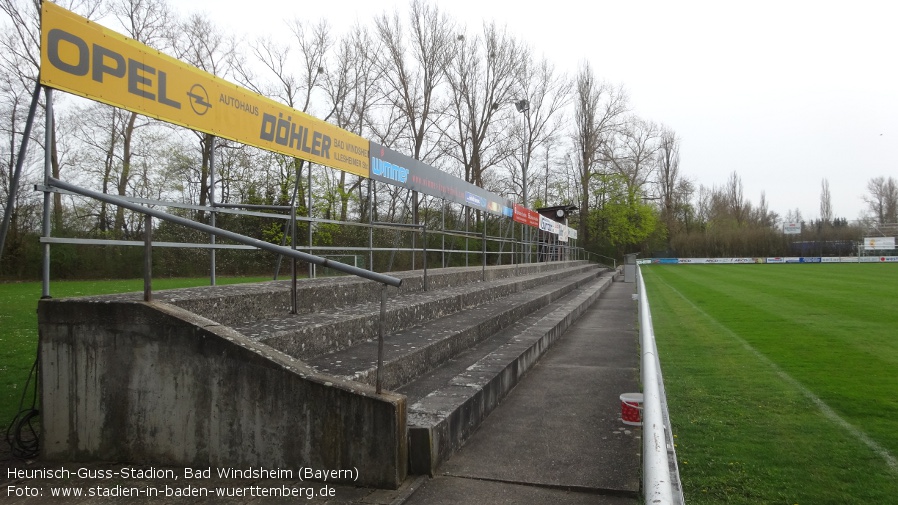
(785, 93)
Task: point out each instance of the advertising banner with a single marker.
(86, 59)
(791, 228)
(546, 224)
(397, 169)
(879, 243)
(526, 216)
(879, 259)
(748, 260)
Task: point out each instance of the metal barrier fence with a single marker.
(660, 473)
(507, 243)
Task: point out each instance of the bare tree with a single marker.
(20, 60)
(413, 64)
(826, 203)
(598, 112)
(545, 94)
(630, 151)
(295, 89)
(882, 199)
(199, 42)
(735, 202)
(148, 22)
(350, 85)
(482, 75)
(674, 190)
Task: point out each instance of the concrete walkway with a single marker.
(558, 438)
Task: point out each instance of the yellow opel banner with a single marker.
(84, 58)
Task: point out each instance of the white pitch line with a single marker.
(827, 411)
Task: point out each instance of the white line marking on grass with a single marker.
(824, 408)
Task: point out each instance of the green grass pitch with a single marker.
(782, 380)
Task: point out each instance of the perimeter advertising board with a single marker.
(879, 243)
(86, 59)
(397, 169)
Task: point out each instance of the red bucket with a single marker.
(631, 409)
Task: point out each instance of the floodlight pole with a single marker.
(523, 106)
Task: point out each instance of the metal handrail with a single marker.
(385, 280)
(658, 452)
(236, 237)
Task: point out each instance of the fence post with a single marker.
(293, 301)
(212, 266)
(148, 258)
(424, 238)
(483, 249)
(380, 337)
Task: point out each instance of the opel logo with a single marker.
(199, 99)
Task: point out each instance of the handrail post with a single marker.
(148, 258)
(483, 250)
(424, 239)
(380, 337)
(370, 226)
(293, 297)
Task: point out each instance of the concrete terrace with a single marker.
(501, 387)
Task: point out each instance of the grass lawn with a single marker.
(782, 380)
(18, 325)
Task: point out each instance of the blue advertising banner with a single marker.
(397, 169)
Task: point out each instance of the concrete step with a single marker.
(235, 304)
(307, 336)
(415, 351)
(447, 405)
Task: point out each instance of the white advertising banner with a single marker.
(879, 243)
(791, 228)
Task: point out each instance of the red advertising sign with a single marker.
(526, 216)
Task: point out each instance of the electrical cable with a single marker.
(23, 433)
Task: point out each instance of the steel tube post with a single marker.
(48, 169)
(213, 281)
(293, 301)
(148, 259)
(483, 250)
(414, 222)
(370, 225)
(380, 338)
(309, 213)
(467, 244)
(424, 239)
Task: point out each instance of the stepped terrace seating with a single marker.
(227, 376)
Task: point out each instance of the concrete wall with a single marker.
(151, 383)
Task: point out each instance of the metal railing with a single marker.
(660, 473)
(385, 280)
